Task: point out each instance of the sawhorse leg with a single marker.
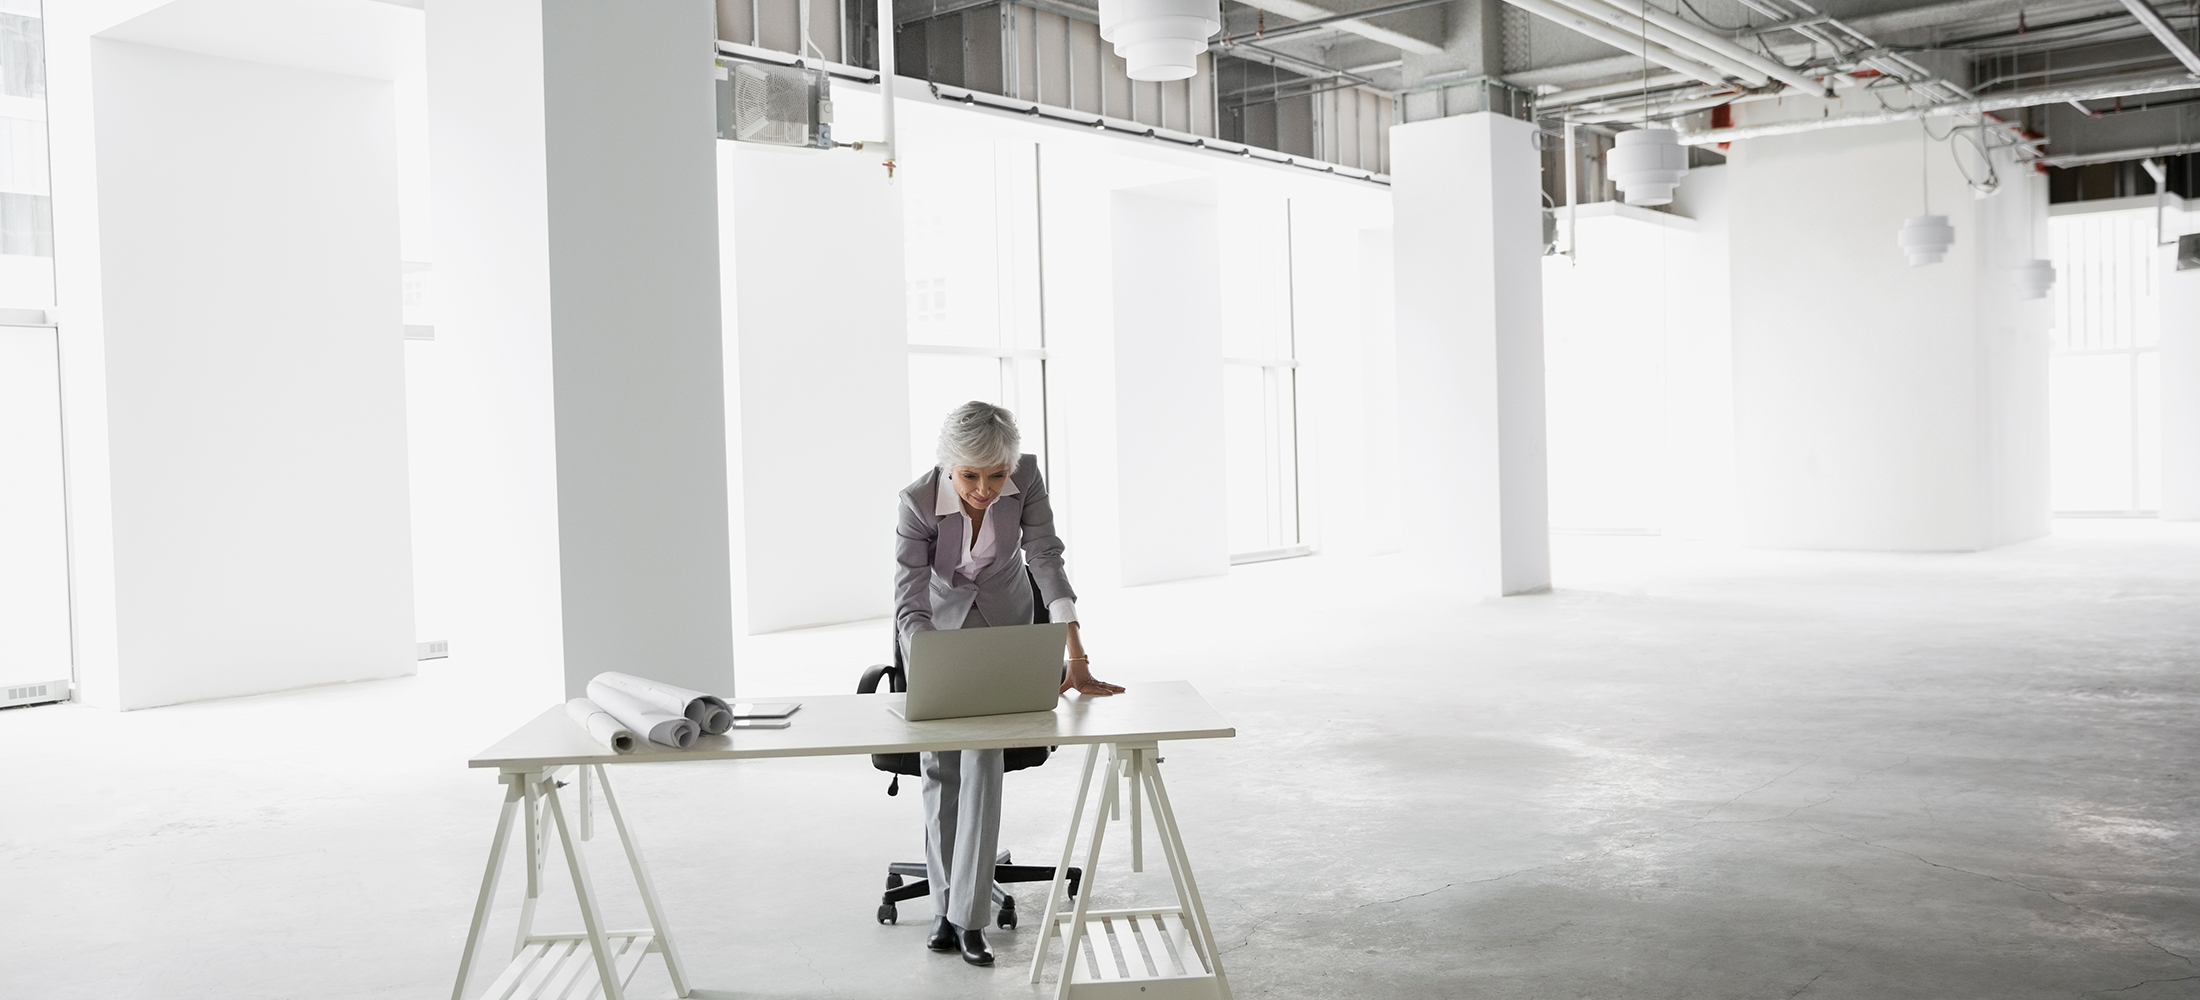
(538, 791)
(1136, 765)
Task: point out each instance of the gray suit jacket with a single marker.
(928, 545)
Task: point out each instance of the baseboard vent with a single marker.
(33, 694)
(435, 650)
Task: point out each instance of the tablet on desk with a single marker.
(765, 709)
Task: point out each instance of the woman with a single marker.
(967, 528)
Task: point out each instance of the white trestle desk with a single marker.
(1152, 952)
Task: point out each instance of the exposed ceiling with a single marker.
(1586, 59)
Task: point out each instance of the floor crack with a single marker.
(2112, 921)
(1417, 895)
(1768, 783)
(2143, 982)
(1800, 990)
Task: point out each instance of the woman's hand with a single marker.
(1080, 676)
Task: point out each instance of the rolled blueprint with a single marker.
(599, 724)
(708, 711)
(654, 725)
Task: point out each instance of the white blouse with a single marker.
(979, 552)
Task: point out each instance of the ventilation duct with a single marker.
(1160, 39)
(777, 105)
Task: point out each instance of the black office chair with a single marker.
(898, 887)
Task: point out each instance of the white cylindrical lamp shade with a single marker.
(1160, 39)
(1647, 163)
(1926, 239)
(2034, 278)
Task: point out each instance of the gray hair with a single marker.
(980, 435)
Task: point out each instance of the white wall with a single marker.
(1168, 371)
(2180, 305)
(492, 302)
(1347, 377)
(819, 319)
(1610, 312)
(1877, 406)
(1468, 236)
(1699, 489)
(1640, 368)
(34, 552)
(248, 254)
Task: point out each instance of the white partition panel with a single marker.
(249, 257)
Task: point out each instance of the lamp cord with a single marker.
(1646, 63)
(1924, 176)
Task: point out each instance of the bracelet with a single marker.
(1079, 659)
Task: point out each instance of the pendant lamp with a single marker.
(2034, 278)
(1160, 39)
(1926, 239)
(1647, 163)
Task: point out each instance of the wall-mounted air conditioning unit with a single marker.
(34, 693)
(778, 105)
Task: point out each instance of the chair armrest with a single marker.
(892, 675)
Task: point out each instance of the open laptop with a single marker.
(956, 673)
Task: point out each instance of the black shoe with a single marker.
(974, 950)
(943, 935)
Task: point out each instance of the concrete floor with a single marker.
(1690, 772)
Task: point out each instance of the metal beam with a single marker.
(2176, 46)
(2102, 90)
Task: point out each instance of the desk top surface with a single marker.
(861, 724)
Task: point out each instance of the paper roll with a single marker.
(654, 725)
(708, 711)
(599, 724)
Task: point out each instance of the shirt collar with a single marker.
(947, 502)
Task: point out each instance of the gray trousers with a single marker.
(962, 827)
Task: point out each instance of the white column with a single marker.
(630, 107)
(1468, 238)
(576, 203)
(2180, 302)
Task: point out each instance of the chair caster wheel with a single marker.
(1007, 916)
(893, 881)
(886, 913)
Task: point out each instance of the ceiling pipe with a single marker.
(1626, 20)
(1659, 82)
(1655, 110)
(2125, 87)
(1621, 40)
(1332, 21)
(1749, 65)
(2176, 46)
(1770, 67)
(2119, 155)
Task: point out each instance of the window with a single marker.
(2104, 373)
(26, 202)
(1260, 382)
(971, 241)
